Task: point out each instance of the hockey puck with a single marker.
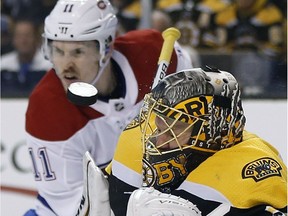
(82, 94)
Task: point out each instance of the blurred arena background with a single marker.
(259, 63)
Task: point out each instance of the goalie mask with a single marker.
(85, 20)
(189, 116)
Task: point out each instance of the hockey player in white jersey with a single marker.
(80, 41)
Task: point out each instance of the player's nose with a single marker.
(68, 63)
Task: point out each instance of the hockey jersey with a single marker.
(250, 177)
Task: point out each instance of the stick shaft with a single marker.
(170, 35)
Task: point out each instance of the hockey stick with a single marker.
(170, 35)
(95, 198)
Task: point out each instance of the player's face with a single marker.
(25, 38)
(75, 61)
(167, 131)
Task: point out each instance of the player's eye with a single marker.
(79, 51)
(57, 51)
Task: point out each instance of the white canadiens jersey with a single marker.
(59, 133)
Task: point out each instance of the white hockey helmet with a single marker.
(81, 20)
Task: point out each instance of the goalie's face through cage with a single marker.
(189, 116)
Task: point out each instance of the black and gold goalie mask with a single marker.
(189, 116)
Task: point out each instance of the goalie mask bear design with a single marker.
(189, 116)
